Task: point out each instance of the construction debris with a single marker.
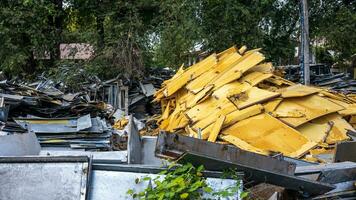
(79, 117)
(58, 119)
(321, 75)
(228, 111)
(218, 157)
(233, 97)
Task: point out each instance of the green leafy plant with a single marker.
(184, 182)
(233, 189)
(180, 182)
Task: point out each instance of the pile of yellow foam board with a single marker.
(233, 97)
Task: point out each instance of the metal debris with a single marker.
(21, 144)
(44, 178)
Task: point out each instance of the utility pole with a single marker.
(305, 42)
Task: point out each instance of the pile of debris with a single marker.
(233, 97)
(58, 119)
(127, 94)
(78, 117)
(320, 75)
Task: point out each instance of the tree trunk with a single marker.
(100, 30)
(58, 25)
(100, 24)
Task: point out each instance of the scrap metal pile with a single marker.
(58, 119)
(233, 97)
(320, 75)
(79, 117)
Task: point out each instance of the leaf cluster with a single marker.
(186, 182)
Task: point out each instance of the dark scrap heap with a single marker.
(76, 117)
(58, 119)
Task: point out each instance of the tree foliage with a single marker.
(131, 35)
(334, 22)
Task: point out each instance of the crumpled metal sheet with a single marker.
(55, 125)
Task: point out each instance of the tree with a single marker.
(178, 32)
(333, 25)
(24, 33)
(131, 35)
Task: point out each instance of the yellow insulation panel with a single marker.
(267, 133)
(312, 107)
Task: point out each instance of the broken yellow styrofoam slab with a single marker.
(191, 73)
(202, 95)
(227, 52)
(216, 128)
(298, 91)
(174, 122)
(264, 68)
(310, 158)
(183, 122)
(163, 124)
(269, 134)
(312, 106)
(163, 105)
(349, 110)
(315, 132)
(207, 108)
(229, 89)
(246, 62)
(205, 132)
(242, 49)
(177, 74)
(268, 87)
(338, 130)
(252, 96)
(242, 144)
(239, 115)
(183, 95)
(287, 114)
(206, 78)
(173, 118)
(338, 102)
(254, 78)
(279, 81)
(191, 132)
(253, 51)
(319, 152)
(243, 84)
(271, 105)
(167, 110)
(230, 119)
(232, 116)
(336, 134)
(158, 95)
(337, 96)
(207, 120)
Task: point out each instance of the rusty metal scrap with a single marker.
(234, 97)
